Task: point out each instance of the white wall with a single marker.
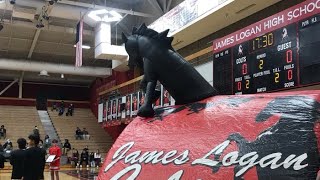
(206, 70)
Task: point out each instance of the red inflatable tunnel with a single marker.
(253, 137)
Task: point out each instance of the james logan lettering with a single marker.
(247, 161)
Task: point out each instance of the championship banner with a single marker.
(253, 137)
(157, 104)
(128, 109)
(109, 112)
(135, 105)
(141, 98)
(119, 111)
(123, 112)
(105, 111)
(114, 109)
(100, 112)
(166, 98)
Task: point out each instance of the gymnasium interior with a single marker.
(66, 74)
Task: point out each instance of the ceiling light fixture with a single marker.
(43, 73)
(62, 76)
(102, 15)
(83, 46)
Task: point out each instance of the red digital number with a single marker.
(290, 74)
(239, 86)
(244, 68)
(289, 56)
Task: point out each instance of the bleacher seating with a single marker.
(19, 122)
(82, 118)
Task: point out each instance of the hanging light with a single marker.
(62, 76)
(83, 46)
(102, 15)
(43, 73)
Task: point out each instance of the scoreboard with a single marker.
(277, 53)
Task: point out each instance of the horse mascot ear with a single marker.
(124, 38)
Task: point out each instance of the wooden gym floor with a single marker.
(71, 174)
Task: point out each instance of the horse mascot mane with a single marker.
(152, 52)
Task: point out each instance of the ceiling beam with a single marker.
(36, 66)
(164, 6)
(6, 88)
(168, 5)
(30, 25)
(125, 28)
(156, 6)
(47, 8)
(34, 42)
(92, 6)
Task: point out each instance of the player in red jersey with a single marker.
(55, 164)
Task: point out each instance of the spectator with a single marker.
(3, 132)
(8, 149)
(8, 142)
(17, 158)
(87, 150)
(66, 146)
(84, 158)
(55, 164)
(75, 156)
(54, 106)
(1, 148)
(97, 158)
(44, 151)
(47, 142)
(61, 108)
(85, 134)
(91, 159)
(36, 131)
(79, 134)
(62, 105)
(34, 159)
(40, 144)
(2, 160)
(70, 110)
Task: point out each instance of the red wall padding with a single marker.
(74, 93)
(17, 102)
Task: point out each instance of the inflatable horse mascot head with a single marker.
(152, 52)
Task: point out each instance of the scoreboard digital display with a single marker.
(277, 53)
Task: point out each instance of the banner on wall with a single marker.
(135, 105)
(114, 109)
(109, 112)
(100, 112)
(123, 112)
(128, 106)
(183, 14)
(166, 98)
(105, 111)
(119, 110)
(266, 136)
(141, 98)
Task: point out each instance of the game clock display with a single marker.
(284, 58)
